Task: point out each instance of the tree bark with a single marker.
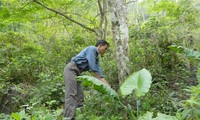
(118, 11)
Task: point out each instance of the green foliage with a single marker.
(25, 65)
(97, 85)
(139, 81)
(100, 105)
(37, 115)
(191, 107)
(127, 87)
(3, 116)
(35, 43)
(160, 116)
(159, 24)
(46, 55)
(20, 115)
(194, 55)
(188, 52)
(20, 56)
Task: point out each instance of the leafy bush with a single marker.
(27, 74)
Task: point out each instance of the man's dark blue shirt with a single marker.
(87, 60)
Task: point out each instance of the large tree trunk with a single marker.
(118, 11)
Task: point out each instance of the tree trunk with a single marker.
(118, 11)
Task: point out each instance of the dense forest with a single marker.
(152, 65)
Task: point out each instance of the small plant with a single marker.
(191, 106)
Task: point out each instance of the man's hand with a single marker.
(95, 74)
(104, 81)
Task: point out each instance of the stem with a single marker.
(122, 104)
(132, 116)
(138, 105)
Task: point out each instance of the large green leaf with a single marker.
(97, 85)
(139, 81)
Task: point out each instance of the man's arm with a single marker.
(95, 74)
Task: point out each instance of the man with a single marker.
(86, 60)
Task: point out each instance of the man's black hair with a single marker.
(101, 42)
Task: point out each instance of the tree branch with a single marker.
(131, 1)
(105, 4)
(67, 17)
(103, 20)
(100, 35)
(26, 5)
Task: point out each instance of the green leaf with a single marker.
(185, 113)
(193, 102)
(160, 116)
(23, 114)
(16, 116)
(97, 85)
(34, 117)
(147, 116)
(49, 117)
(139, 81)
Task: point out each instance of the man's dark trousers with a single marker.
(74, 96)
